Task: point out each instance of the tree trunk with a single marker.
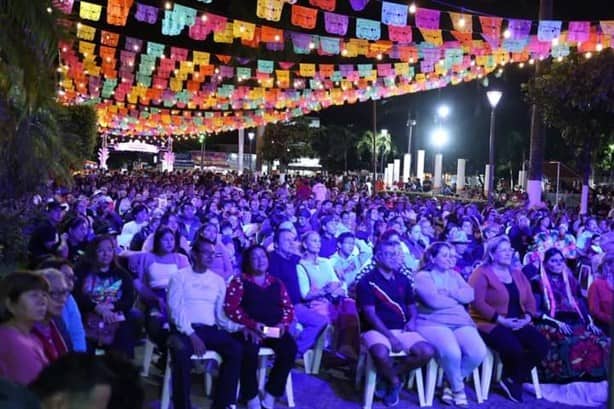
(586, 174)
(373, 147)
(538, 137)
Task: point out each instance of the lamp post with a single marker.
(493, 98)
(384, 133)
(411, 123)
(202, 151)
(251, 136)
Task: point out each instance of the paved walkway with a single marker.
(333, 389)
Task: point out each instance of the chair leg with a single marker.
(535, 379)
(477, 384)
(290, 391)
(360, 370)
(420, 387)
(440, 377)
(487, 370)
(147, 357)
(431, 380)
(166, 386)
(208, 383)
(308, 361)
(319, 349)
(370, 380)
(261, 372)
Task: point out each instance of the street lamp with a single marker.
(202, 138)
(440, 137)
(443, 111)
(251, 136)
(493, 98)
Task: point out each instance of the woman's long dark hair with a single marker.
(162, 230)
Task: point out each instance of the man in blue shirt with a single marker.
(388, 311)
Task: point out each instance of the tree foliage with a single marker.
(35, 144)
(287, 141)
(336, 147)
(576, 96)
(79, 130)
(383, 146)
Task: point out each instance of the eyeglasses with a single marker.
(59, 295)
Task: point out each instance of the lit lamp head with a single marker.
(443, 111)
(251, 136)
(494, 97)
(439, 137)
(384, 131)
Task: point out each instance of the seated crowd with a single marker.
(198, 263)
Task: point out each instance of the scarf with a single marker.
(549, 298)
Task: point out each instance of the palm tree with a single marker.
(383, 145)
(31, 144)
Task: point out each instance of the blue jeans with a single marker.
(231, 351)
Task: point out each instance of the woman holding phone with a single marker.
(260, 302)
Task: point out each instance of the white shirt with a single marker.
(197, 298)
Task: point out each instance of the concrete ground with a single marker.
(333, 389)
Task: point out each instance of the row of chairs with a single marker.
(434, 376)
(425, 385)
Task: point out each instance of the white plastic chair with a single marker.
(477, 384)
(312, 358)
(147, 356)
(366, 365)
(491, 362)
(263, 356)
(208, 381)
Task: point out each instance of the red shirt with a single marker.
(236, 291)
(601, 301)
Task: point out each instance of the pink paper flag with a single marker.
(427, 18)
(578, 31)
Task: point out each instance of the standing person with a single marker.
(195, 305)
(23, 303)
(443, 321)
(105, 295)
(503, 309)
(283, 265)
(386, 302)
(260, 302)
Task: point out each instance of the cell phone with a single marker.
(271, 332)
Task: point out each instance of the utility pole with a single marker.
(374, 156)
(538, 132)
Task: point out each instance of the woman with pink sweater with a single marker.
(23, 303)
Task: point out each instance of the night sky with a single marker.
(468, 122)
(469, 119)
